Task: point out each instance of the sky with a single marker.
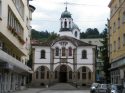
(85, 13)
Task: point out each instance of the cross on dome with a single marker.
(66, 3)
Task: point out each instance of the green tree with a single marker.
(105, 56)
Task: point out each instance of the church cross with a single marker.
(66, 3)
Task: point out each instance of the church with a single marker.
(66, 59)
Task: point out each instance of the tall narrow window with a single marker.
(57, 52)
(63, 51)
(69, 24)
(70, 74)
(70, 51)
(84, 54)
(119, 43)
(42, 69)
(123, 17)
(65, 24)
(123, 39)
(76, 34)
(83, 69)
(114, 27)
(42, 54)
(83, 75)
(114, 45)
(118, 22)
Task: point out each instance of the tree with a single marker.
(105, 56)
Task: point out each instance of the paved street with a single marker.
(58, 88)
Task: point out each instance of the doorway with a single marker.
(63, 74)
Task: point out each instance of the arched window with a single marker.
(70, 74)
(83, 69)
(43, 54)
(65, 24)
(63, 51)
(70, 51)
(57, 51)
(84, 54)
(76, 34)
(42, 69)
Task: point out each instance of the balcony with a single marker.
(13, 63)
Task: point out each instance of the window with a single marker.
(114, 27)
(83, 75)
(118, 22)
(63, 51)
(70, 51)
(123, 39)
(57, 51)
(70, 74)
(13, 24)
(43, 54)
(69, 24)
(114, 45)
(20, 7)
(84, 54)
(119, 43)
(83, 69)
(65, 24)
(42, 69)
(123, 17)
(76, 34)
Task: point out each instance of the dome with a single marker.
(66, 14)
(74, 26)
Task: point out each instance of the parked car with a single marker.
(93, 87)
(115, 88)
(103, 88)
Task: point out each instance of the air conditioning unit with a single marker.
(1, 45)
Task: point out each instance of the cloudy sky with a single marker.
(85, 13)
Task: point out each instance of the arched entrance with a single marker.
(63, 73)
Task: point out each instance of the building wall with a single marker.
(117, 40)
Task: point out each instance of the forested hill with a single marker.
(45, 35)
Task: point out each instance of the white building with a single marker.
(15, 17)
(65, 59)
(99, 62)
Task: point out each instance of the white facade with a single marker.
(65, 59)
(15, 17)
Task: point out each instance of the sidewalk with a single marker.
(30, 90)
